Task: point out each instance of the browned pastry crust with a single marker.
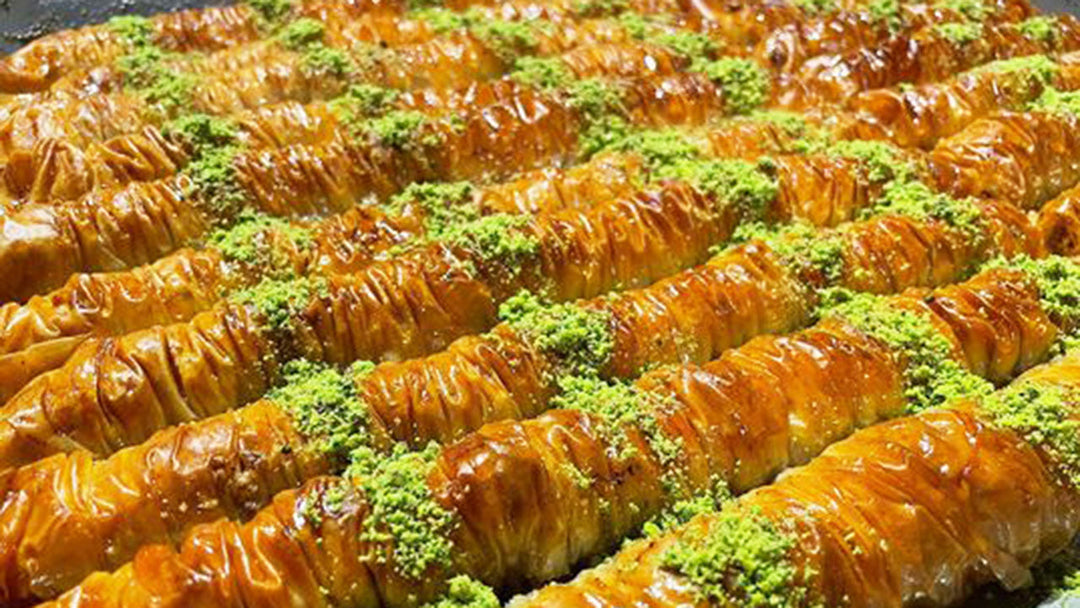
(136, 224)
(924, 114)
(792, 396)
(917, 58)
(1013, 156)
(983, 504)
(402, 308)
(40, 63)
(787, 48)
(692, 316)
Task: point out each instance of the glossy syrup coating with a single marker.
(87, 128)
(798, 393)
(927, 113)
(919, 57)
(692, 316)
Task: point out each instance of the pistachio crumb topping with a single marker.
(464, 592)
(621, 407)
(742, 559)
(507, 39)
(147, 75)
(133, 30)
(362, 101)
(396, 129)
(1039, 67)
(408, 528)
(932, 376)
(1045, 416)
(745, 84)
(913, 198)
(545, 73)
(497, 238)
(887, 12)
(444, 204)
(816, 7)
(975, 10)
(325, 407)
(959, 33)
(800, 245)
(300, 33)
(442, 20)
(201, 131)
(581, 338)
(1060, 102)
(247, 242)
(881, 161)
(1058, 281)
(593, 97)
(279, 300)
(597, 8)
(273, 11)
(680, 512)
(1042, 28)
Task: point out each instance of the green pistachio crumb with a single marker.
(247, 240)
(741, 560)
(464, 592)
(444, 205)
(213, 174)
(1060, 102)
(747, 186)
(407, 526)
(959, 33)
(134, 30)
(301, 33)
(1044, 415)
(396, 129)
(507, 39)
(622, 407)
(1040, 67)
(442, 20)
(545, 73)
(581, 338)
(597, 8)
(975, 10)
(321, 59)
(497, 238)
(881, 161)
(887, 12)
(800, 245)
(201, 131)
(271, 10)
(816, 7)
(1058, 281)
(146, 74)
(280, 300)
(325, 407)
(1042, 28)
(605, 133)
(915, 199)
(361, 101)
(682, 511)
(745, 84)
(932, 376)
(691, 45)
(594, 98)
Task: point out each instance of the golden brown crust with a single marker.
(1023, 158)
(791, 396)
(40, 63)
(924, 114)
(919, 57)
